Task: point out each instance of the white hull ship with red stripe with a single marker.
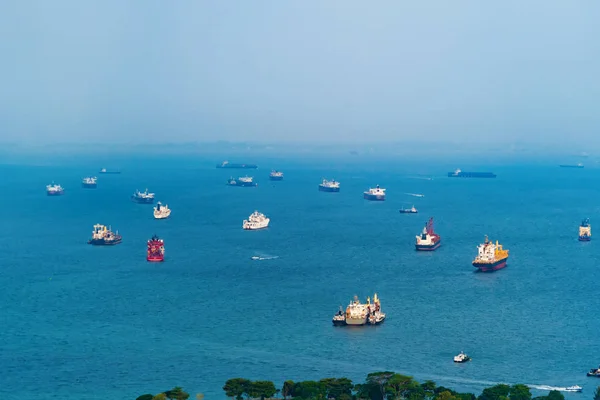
(428, 240)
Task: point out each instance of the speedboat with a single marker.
(461, 358)
(255, 258)
(573, 388)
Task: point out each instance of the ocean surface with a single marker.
(102, 323)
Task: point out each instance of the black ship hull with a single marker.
(276, 178)
(104, 242)
(142, 200)
(328, 189)
(89, 185)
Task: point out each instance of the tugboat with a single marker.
(329, 186)
(104, 171)
(376, 194)
(490, 257)
(256, 221)
(339, 319)
(358, 314)
(89, 182)
(585, 231)
(276, 175)
(104, 237)
(461, 358)
(594, 372)
(428, 240)
(54, 190)
(243, 181)
(143, 197)
(161, 212)
(156, 249)
(574, 388)
(411, 210)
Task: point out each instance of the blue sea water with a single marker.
(100, 322)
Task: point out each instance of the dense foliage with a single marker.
(176, 393)
(385, 385)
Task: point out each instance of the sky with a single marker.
(345, 71)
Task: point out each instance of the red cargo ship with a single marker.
(156, 249)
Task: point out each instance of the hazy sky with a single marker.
(505, 71)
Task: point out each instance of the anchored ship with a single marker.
(101, 236)
(227, 164)
(156, 249)
(276, 175)
(256, 221)
(428, 240)
(143, 197)
(461, 358)
(329, 186)
(54, 190)
(376, 194)
(161, 212)
(358, 314)
(585, 231)
(462, 174)
(243, 181)
(89, 182)
(490, 257)
(578, 165)
(411, 210)
(105, 171)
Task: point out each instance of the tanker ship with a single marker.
(428, 240)
(490, 257)
(242, 181)
(359, 314)
(374, 194)
(101, 236)
(156, 249)
(329, 186)
(585, 231)
(276, 175)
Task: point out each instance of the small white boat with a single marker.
(255, 258)
(461, 358)
(573, 388)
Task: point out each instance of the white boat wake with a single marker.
(415, 194)
(262, 258)
(549, 388)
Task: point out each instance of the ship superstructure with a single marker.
(103, 236)
(161, 211)
(227, 164)
(375, 194)
(256, 221)
(329, 186)
(490, 256)
(89, 182)
(143, 197)
(411, 210)
(585, 231)
(358, 314)
(156, 249)
(242, 181)
(428, 240)
(276, 175)
(54, 190)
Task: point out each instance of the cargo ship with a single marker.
(428, 240)
(101, 236)
(578, 165)
(156, 249)
(54, 190)
(359, 314)
(256, 221)
(227, 164)
(411, 210)
(89, 182)
(161, 211)
(243, 181)
(463, 174)
(143, 197)
(374, 194)
(105, 171)
(585, 231)
(329, 186)
(490, 257)
(276, 175)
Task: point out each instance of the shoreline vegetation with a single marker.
(377, 386)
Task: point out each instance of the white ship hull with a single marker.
(356, 321)
(162, 215)
(253, 226)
